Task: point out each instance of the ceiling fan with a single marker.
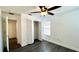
(44, 11)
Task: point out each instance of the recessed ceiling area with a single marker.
(17, 9)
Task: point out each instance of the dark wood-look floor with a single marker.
(43, 46)
(13, 44)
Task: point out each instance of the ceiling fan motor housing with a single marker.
(43, 9)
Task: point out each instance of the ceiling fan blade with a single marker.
(50, 13)
(53, 8)
(40, 7)
(36, 12)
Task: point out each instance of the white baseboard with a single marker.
(67, 46)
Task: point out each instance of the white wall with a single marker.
(18, 29)
(30, 37)
(0, 34)
(65, 29)
(23, 31)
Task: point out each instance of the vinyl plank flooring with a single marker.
(43, 46)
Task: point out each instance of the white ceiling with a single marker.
(17, 9)
(28, 9)
(64, 9)
(59, 12)
(20, 9)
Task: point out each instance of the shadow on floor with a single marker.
(13, 44)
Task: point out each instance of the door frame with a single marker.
(7, 39)
(39, 25)
(7, 29)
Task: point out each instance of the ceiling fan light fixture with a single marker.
(44, 13)
(43, 8)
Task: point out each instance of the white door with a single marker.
(30, 36)
(5, 33)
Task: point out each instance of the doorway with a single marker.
(36, 30)
(12, 35)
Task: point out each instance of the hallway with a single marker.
(42, 46)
